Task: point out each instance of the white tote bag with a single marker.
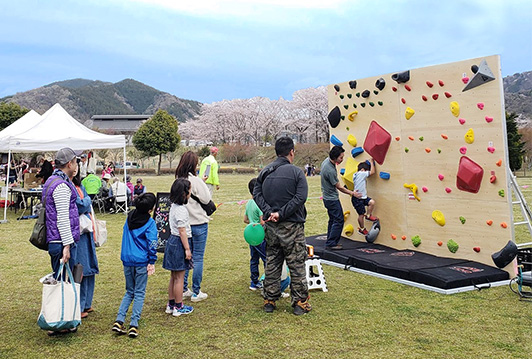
(100, 230)
(85, 224)
(60, 304)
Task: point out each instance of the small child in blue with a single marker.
(253, 214)
(178, 251)
(365, 169)
(139, 253)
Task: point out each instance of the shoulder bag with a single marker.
(209, 208)
(38, 235)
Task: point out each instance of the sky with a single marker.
(209, 50)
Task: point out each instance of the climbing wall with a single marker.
(438, 135)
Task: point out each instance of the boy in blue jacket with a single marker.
(139, 253)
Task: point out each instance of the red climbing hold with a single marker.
(435, 96)
(465, 80)
(448, 95)
(476, 249)
(394, 89)
(408, 88)
(403, 100)
(397, 138)
(429, 84)
(424, 97)
(441, 83)
(488, 119)
(440, 243)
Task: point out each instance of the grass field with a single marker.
(360, 316)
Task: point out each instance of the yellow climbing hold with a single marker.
(346, 214)
(413, 188)
(455, 108)
(409, 112)
(350, 168)
(352, 140)
(438, 217)
(349, 230)
(351, 116)
(469, 136)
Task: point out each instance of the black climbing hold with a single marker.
(365, 94)
(363, 104)
(354, 105)
(353, 84)
(380, 84)
(334, 117)
(375, 92)
(349, 95)
(346, 106)
(401, 77)
(357, 94)
(342, 97)
(371, 104)
(474, 69)
(337, 88)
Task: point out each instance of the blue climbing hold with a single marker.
(335, 141)
(384, 175)
(342, 171)
(356, 151)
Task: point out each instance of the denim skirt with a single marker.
(174, 255)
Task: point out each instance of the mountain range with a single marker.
(83, 98)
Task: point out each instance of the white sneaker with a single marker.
(188, 294)
(285, 295)
(169, 309)
(198, 297)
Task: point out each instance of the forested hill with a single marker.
(518, 95)
(83, 98)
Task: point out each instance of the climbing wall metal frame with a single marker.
(519, 198)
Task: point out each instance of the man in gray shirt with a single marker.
(329, 188)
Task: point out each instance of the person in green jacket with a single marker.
(209, 170)
(92, 184)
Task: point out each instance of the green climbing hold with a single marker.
(421, 138)
(347, 128)
(357, 94)
(349, 95)
(354, 105)
(406, 149)
(462, 219)
(371, 104)
(363, 104)
(501, 193)
(416, 241)
(346, 106)
(342, 117)
(452, 246)
(439, 150)
(380, 103)
(375, 92)
(342, 97)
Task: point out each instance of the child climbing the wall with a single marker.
(365, 169)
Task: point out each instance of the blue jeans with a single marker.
(336, 222)
(86, 292)
(257, 253)
(136, 281)
(55, 250)
(199, 242)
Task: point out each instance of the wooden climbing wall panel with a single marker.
(426, 150)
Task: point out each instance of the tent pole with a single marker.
(125, 176)
(7, 186)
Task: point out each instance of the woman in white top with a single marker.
(199, 223)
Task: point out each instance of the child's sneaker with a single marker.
(372, 218)
(255, 286)
(119, 328)
(198, 297)
(185, 309)
(169, 309)
(133, 332)
(363, 231)
(285, 295)
(188, 294)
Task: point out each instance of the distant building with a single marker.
(118, 124)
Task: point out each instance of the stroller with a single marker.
(524, 275)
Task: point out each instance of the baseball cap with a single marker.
(139, 180)
(214, 149)
(65, 155)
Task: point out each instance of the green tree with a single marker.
(9, 113)
(515, 146)
(157, 136)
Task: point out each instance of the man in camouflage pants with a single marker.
(280, 192)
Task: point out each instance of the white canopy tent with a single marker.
(27, 121)
(55, 130)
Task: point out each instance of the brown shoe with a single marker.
(84, 315)
(302, 307)
(90, 310)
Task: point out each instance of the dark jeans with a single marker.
(336, 222)
(257, 253)
(55, 250)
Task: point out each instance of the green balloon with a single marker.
(254, 234)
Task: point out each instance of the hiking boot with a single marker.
(185, 309)
(119, 328)
(302, 307)
(372, 218)
(363, 231)
(133, 332)
(269, 306)
(198, 297)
